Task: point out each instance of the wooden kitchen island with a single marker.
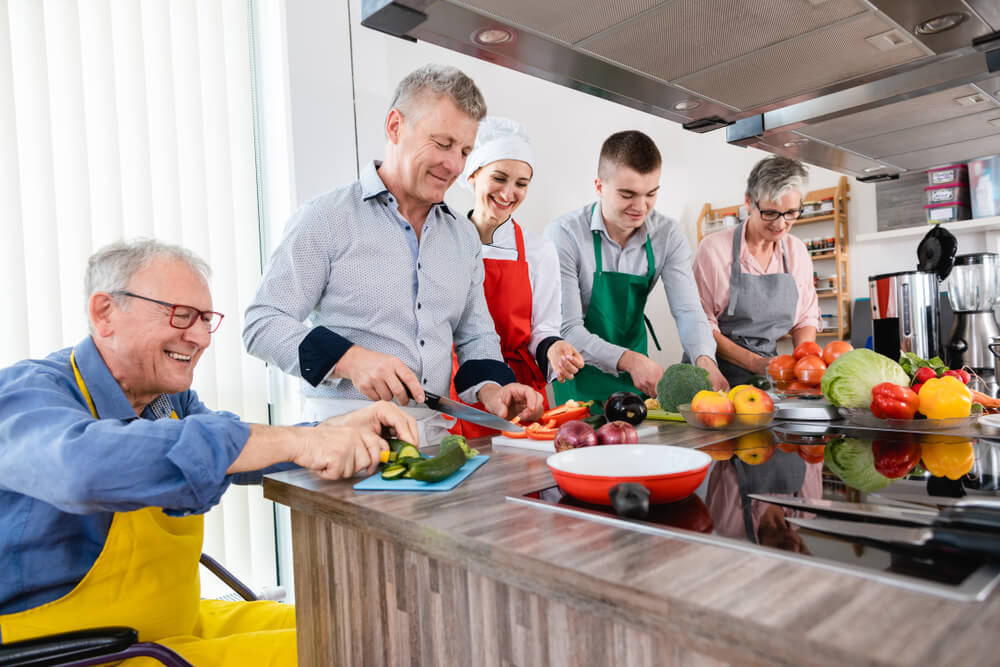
(467, 578)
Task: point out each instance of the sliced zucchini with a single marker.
(407, 451)
(394, 471)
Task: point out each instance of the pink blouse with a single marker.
(713, 262)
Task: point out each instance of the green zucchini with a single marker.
(393, 471)
(449, 459)
(595, 421)
(395, 444)
(407, 451)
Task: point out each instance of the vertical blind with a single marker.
(123, 119)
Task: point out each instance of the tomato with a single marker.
(797, 387)
(834, 349)
(566, 412)
(895, 458)
(807, 348)
(809, 369)
(812, 453)
(782, 367)
(788, 447)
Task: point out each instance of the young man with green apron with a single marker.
(611, 253)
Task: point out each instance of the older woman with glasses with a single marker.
(756, 280)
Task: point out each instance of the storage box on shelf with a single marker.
(825, 205)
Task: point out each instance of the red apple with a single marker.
(712, 408)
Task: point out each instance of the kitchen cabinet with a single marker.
(831, 264)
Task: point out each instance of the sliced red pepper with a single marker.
(565, 413)
(511, 434)
(893, 401)
(539, 431)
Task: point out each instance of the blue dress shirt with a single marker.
(63, 473)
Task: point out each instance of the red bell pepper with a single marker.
(540, 431)
(511, 434)
(893, 401)
(566, 412)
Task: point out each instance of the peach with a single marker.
(712, 408)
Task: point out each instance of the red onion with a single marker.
(575, 434)
(617, 433)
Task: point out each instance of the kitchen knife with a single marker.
(468, 413)
(967, 518)
(952, 539)
(970, 501)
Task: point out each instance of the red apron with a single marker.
(507, 286)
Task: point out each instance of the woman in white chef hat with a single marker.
(522, 282)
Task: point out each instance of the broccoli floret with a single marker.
(679, 384)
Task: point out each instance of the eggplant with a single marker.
(625, 406)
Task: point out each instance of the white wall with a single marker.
(567, 128)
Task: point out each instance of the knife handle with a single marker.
(968, 541)
(968, 517)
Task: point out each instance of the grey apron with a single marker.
(761, 310)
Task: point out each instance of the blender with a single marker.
(974, 290)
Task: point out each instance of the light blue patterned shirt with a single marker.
(350, 270)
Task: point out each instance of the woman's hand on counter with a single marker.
(715, 376)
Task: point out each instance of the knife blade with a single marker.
(902, 497)
(971, 518)
(469, 413)
(955, 539)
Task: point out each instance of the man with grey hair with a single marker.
(377, 281)
(756, 280)
(109, 462)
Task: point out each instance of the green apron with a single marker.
(616, 314)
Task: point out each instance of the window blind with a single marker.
(128, 119)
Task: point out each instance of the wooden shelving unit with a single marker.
(839, 255)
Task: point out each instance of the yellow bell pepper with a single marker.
(947, 459)
(945, 398)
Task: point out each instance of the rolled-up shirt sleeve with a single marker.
(54, 450)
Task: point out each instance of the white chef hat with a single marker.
(497, 139)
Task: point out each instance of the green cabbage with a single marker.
(848, 381)
(852, 460)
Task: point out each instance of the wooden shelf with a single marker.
(814, 218)
(840, 252)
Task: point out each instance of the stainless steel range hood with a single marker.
(852, 85)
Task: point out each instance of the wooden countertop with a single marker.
(736, 606)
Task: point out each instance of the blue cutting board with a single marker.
(376, 483)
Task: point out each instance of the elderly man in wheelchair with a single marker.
(108, 461)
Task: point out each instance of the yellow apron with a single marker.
(147, 577)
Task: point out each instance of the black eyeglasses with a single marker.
(771, 215)
(183, 317)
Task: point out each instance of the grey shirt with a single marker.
(351, 271)
(573, 238)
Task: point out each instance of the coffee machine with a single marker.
(974, 290)
(906, 305)
(905, 313)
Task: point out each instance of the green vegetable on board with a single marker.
(679, 384)
(849, 380)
